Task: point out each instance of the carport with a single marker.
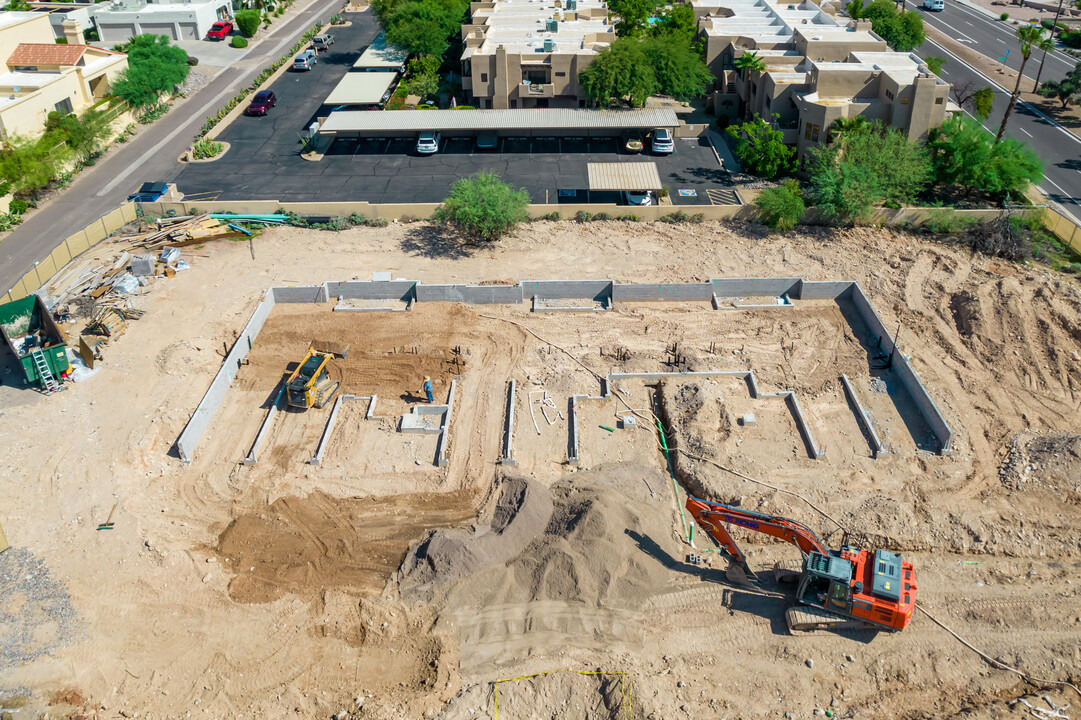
(361, 89)
(539, 122)
(638, 176)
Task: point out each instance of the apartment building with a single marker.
(528, 53)
(120, 20)
(817, 69)
(42, 76)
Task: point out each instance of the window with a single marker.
(767, 102)
(904, 100)
(889, 95)
(938, 101)
(64, 106)
(513, 104)
(814, 132)
(561, 74)
(484, 77)
(807, 133)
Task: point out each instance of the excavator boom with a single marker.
(712, 516)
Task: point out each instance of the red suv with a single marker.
(263, 101)
(220, 30)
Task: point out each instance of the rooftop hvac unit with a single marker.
(552, 26)
(572, 4)
(549, 45)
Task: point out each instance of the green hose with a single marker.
(675, 487)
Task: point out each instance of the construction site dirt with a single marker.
(380, 584)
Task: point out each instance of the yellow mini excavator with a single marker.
(310, 384)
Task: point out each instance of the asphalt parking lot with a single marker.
(264, 163)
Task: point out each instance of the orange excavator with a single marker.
(837, 589)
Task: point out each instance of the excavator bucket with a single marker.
(328, 347)
(740, 575)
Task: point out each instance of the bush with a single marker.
(154, 67)
(760, 148)
(628, 217)
(192, 61)
(602, 216)
(553, 216)
(782, 207)
(1004, 16)
(681, 217)
(1071, 39)
(483, 207)
(5, 188)
(337, 223)
(945, 220)
(583, 216)
(18, 206)
(238, 42)
(205, 148)
(61, 41)
(247, 22)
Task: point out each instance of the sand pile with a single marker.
(521, 513)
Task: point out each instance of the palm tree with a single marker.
(749, 62)
(1031, 37)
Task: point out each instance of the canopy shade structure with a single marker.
(361, 89)
(624, 176)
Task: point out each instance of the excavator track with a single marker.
(787, 571)
(805, 619)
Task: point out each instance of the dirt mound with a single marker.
(521, 513)
(306, 545)
(558, 695)
(1050, 461)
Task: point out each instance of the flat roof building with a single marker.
(528, 53)
(817, 70)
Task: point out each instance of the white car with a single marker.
(936, 5)
(428, 143)
(634, 197)
(662, 143)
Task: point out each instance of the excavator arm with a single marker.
(712, 517)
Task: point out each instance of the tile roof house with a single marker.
(41, 76)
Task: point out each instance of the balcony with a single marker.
(536, 90)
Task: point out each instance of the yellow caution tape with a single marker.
(626, 685)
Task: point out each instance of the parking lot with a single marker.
(264, 163)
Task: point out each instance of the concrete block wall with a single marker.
(472, 294)
(631, 292)
(204, 413)
(301, 294)
(597, 290)
(825, 289)
(751, 287)
(403, 290)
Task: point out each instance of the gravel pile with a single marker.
(36, 616)
(196, 81)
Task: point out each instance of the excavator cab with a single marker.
(826, 583)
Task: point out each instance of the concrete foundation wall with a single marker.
(752, 287)
(204, 412)
(472, 294)
(630, 292)
(597, 290)
(302, 294)
(825, 290)
(373, 289)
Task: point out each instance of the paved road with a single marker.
(1059, 148)
(991, 37)
(151, 155)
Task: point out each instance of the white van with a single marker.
(936, 5)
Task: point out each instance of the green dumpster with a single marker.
(27, 326)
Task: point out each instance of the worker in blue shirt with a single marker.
(428, 389)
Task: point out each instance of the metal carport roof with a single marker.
(624, 176)
(361, 89)
(380, 55)
(531, 119)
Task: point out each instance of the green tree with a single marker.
(849, 125)
(748, 63)
(1030, 37)
(28, 165)
(901, 29)
(1065, 90)
(982, 102)
(854, 9)
(423, 27)
(872, 165)
(761, 149)
(679, 19)
(963, 153)
(247, 22)
(633, 16)
(619, 71)
(84, 135)
(483, 207)
(677, 65)
(782, 207)
(154, 67)
(934, 64)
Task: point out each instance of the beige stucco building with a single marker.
(528, 53)
(817, 69)
(42, 76)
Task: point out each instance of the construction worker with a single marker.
(428, 389)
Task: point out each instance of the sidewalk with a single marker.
(150, 155)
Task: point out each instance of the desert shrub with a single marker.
(602, 216)
(238, 42)
(1004, 16)
(247, 22)
(18, 206)
(337, 223)
(945, 220)
(583, 216)
(205, 148)
(483, 207)
(782, 207)
(679, 216)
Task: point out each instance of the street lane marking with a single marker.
(966, 22)
(1025, 131)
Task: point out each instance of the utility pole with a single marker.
(1054, 27)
